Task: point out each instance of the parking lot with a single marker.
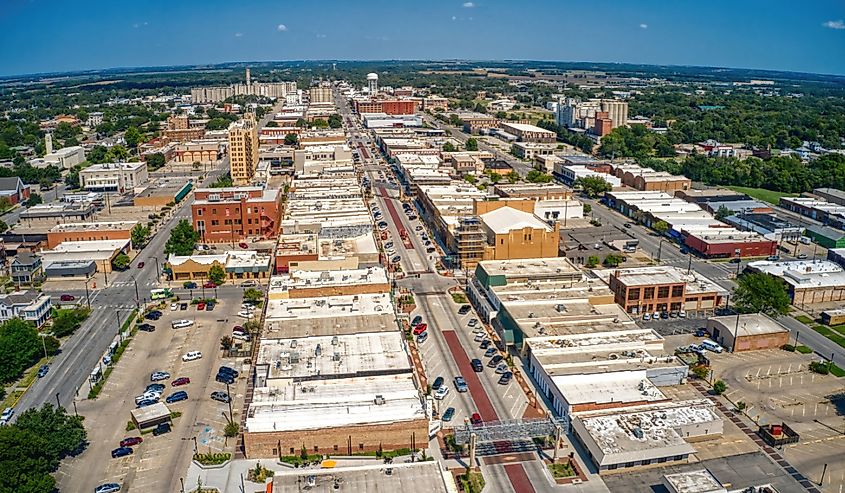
(777, 387)
(158, 462)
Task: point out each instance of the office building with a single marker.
(90, 231)
(528, 133)
(808, 281)
(664, 289)
(243, 150)
(114, 177)
(236, 214)
(66, 158)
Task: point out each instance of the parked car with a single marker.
(475, 419)
(220, 396)
(161, 429)
(140, 265)
(183, 306)
(501, 368)
(476, 365)
(464, 309)
(67, 297)
(472, 322)
(485, 344)
(416, 321)
(505, 378)
(429, 250)
(121, 452)
(209, 306)
(461, 384)
(682, 314)
(422, 338)
(419, 329)
(146, 402)
(229, 371)
(490, 352)
(209, 285)
(245, 313)
(158, 376)
(701, 332)
(155, 387)
(42, 372)
(396, 259)
(174, 306)
(181, 324)
(225, 378)
(646, 317)
(131, 441)
(243, 245)
(448, 415)
(189, 285)
(495, 360)
(176, 397)
(441, 392)
(180, 381)
(107, 488)
(7, 415)
(438, 382)
(251, 283)
(146, 327)
(201, 306)
(191, 355)
(711, 346)
(802, 256)
(153, 315)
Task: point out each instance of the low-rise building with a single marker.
(383, 120)
(570, 173)
(239, 264)
(163, 192)
(14, 189)
(647, 179)
(532, 150)
(528, 133)
(199, 151)
(314, 284)
(747, 332)
(93, 231)
(475, 123)
(26, 268)
(808, 281)
(514, 234)
(114, 177)
(663, 289)
(828, 213)
(30, 306)
(728, 242)
(826, 236)
(100, 252)
(66, 157)
(655, 434)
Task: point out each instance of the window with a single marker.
(678, 457)
(648, 293)
(662, 459)
(613, 466)
(634, 294)
(663, 292)
(215, 222)
(360, 446)
(199, 212)
(629, 464)
(335, 448)
(291, 451)
(677, 291)
(646, 462)
(316, 448)
(275, 452)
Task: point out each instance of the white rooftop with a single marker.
(749, 324)
(335, 403)
(804, 274)
(200, 259)
(698, 481)
(300, 279)
(605, 388)
(506, 219)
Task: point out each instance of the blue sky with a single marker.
(59, 35)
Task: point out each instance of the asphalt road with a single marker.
(80, 353)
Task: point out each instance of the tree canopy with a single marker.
(593, 186)
(216, 274)
(20, 348)
(140, 235)
(472, 144)
(761, 293)
(182, 239)
(291, 139)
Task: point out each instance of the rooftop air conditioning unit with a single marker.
(379, 400)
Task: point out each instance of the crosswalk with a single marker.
(123, 284)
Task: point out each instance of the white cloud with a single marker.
(321, 36)
(468, 5)
(140, 24)
(454, 18)
(281, 28)
(643, 26)
(840, 24)
(238, 35)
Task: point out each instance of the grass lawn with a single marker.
(472, 483)
(836, 371)
(804, 319)
(459, 298)
(769, 196)
(803, 350)
(561, 470)
(830, 334)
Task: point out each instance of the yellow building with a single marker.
(243, 150)
(514, 232)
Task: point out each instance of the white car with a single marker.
(174, 307)
(181, 324)
(6, 416)
(249, 284)
(441, 392)
(479, 337)
(245, 313)
(191, 355)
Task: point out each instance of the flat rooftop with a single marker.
(506, 219)
(524, 127)
(699, 481)
(532, 268)
(635, 434)
(750, 324)
(328, 316)
(414, 476)
(95, 226)
(654, 275)
(270, 195)
(542, 318)
(335, 403)
(606, 388)
(300, 279)
(361, 245)
(804, 274)
(297, 244)
(306, 358)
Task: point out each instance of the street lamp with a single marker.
(158, 269)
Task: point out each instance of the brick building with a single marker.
(118, 230)
(236, 213)
(664, 288)
(749, 332)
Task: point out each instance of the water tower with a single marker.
(372, 83)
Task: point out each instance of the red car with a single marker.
(243, 245)
(475, 419)
(239, 328)
(140, 265)
(200, 306)
(131, 441)
(67, 297)
(180, 381)
(419, 329)
(209, 285)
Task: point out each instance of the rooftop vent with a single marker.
(379, 400)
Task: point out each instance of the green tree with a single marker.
(472, 144)
(182, 239)
(593, 261)
(5, 203)
(140, 234)
(272, 124)
(156, 161)
(66, 321)
(719, 387)
(216, 274)
(512, 177)
(117, 153)
(291, 139)
(217, 124)
(448, 147)
(34, 199)
(661, 227)
(335, 121)
(121, 262)
(72, 178)
(320, 123)
(301, 123)
(253, 296)
(761, 293)
(64, 434)
(20, 347)
(132, 137)
(222, 181)
(722, 212)
(3, 226)
(613, 260)
(97, 155)
(495, 178)
(588, 208)
(593, 186)
(537, 176)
